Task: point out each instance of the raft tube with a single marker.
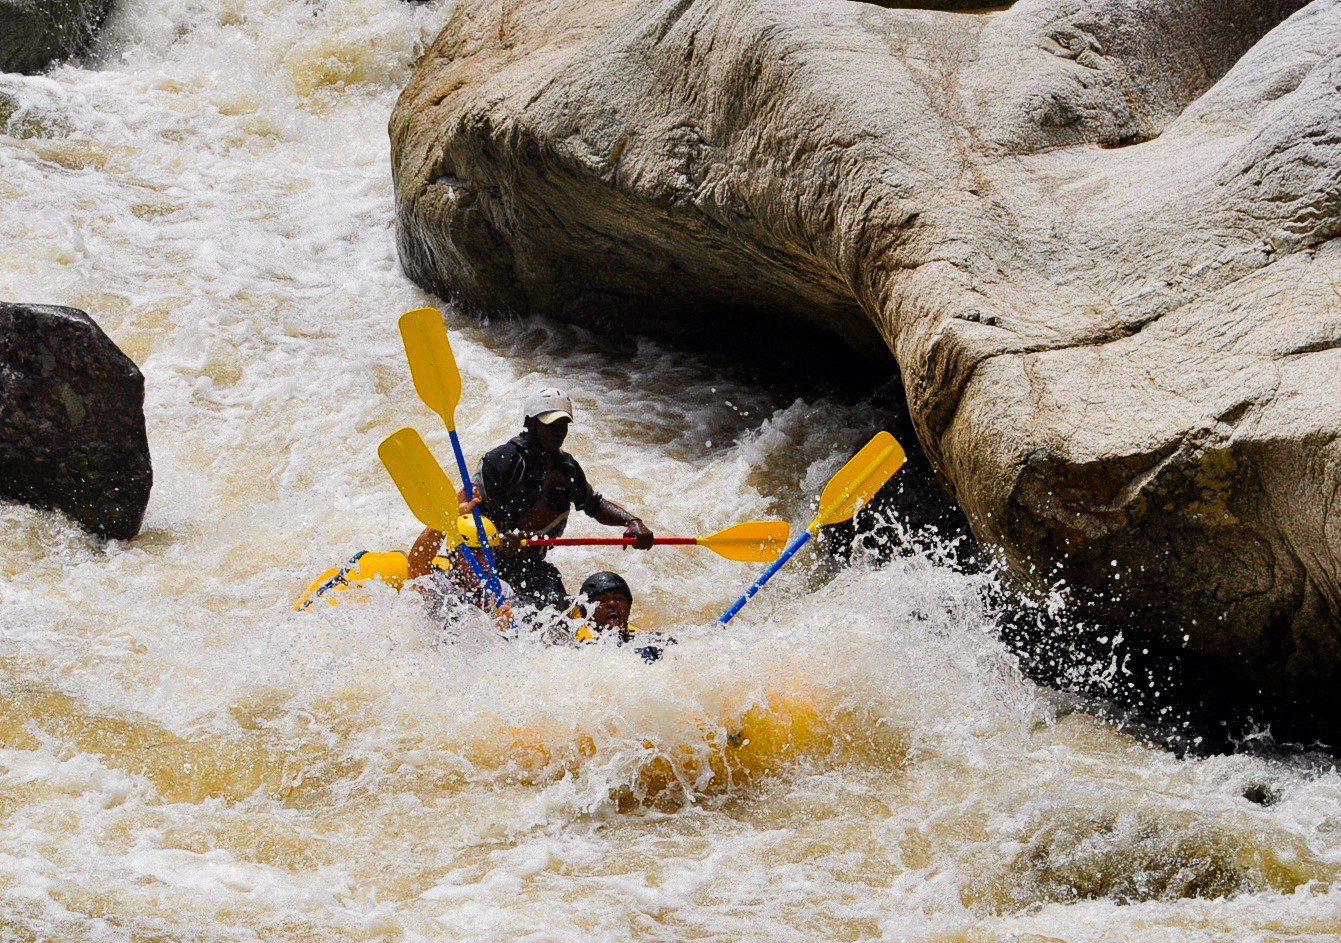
(391, 567)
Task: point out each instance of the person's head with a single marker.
(609, 600)
(546, 414)
(470, 537)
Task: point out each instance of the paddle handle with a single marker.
(492, 577)
(767, 575)
(601, 541)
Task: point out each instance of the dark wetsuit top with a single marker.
(523, 487)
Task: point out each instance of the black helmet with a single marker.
(604, 582)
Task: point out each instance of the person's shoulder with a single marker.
(568, 459)
(511, 445)
(509, 451)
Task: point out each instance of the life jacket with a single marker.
(525, 488)
(591, 632)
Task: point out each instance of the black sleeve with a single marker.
(497, 475)
(585, 499)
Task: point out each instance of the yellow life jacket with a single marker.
(589, 631)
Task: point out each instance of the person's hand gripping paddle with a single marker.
(854, 485)
(438, 382)
(427, 491)
(750, 542)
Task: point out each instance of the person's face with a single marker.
(612, 609)
(550, 435)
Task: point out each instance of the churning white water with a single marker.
(183, 757)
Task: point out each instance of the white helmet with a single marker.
(547, 405)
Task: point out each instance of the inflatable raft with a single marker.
(391, 567)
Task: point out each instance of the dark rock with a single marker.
(1261, 794)
(71, 420)
(35, 33)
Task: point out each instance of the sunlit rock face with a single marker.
(72, 433)
(34, 33)
(1098, 236)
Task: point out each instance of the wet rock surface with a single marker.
(35, 33)
(1098, 237)
(72, 433)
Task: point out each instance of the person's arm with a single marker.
(502, 615)
(425, 548)
(498, 474)
(464, 506)
(607, 512)
(611, 514)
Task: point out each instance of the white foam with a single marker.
(186, 756)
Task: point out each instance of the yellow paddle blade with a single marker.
(432, 363)
(421, 481)
(858, 480)
(751, 542)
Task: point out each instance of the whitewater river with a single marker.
(183, 757)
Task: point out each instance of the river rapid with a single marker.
(184, 757)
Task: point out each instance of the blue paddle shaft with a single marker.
(481, 575)
(767, 575)
(492, 578)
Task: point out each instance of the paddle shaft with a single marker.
(767, 575)
(603, 541)
(484, 578)
(494, 586)
(437, 380)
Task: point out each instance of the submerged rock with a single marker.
(35, 33)
(71, 420)
(1098, 237)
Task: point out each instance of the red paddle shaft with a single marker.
(594, 541)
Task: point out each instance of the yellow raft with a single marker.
(768, 737)
(391, 567)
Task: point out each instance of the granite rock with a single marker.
(1097, 236)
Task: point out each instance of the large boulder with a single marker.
(1098, 237)
(71, 420)
(35, 33)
